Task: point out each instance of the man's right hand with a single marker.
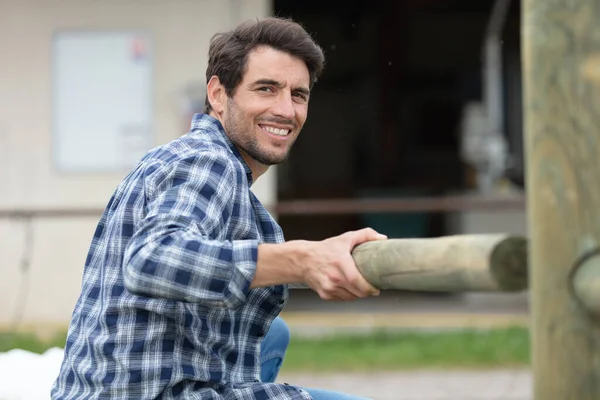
(329, 269)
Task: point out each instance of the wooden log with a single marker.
(459, 263)
(586, 284)
(561, 74)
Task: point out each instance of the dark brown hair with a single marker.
(228, 51)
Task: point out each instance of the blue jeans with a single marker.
(272, 353)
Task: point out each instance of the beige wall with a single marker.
(28, 180)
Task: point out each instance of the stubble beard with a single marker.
(244, 138)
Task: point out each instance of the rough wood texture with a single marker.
(586, 285)
(561, 60)
(451, 263)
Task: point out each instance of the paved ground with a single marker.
(424, 385)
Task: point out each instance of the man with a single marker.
(187, 270)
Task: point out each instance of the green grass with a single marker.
(388, 351)
(29, 342)
(378, 351)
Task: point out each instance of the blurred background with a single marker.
(415, 129)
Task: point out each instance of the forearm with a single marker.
(280, 264)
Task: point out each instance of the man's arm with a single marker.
(325, 266)
(176, 252)
(173, 254)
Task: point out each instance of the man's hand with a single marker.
(329, 268)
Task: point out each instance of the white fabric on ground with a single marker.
(28, 376)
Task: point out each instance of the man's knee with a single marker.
(273, 349)
(279, 332)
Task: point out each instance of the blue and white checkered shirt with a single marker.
(165, 309)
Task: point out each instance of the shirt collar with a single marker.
(213, 126)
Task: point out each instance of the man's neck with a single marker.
(256, 168)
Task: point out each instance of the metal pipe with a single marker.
(493, 66)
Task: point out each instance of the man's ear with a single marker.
(216, 94)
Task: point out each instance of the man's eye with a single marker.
(301, 96)
(264, 89)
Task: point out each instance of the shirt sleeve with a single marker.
(178, 251)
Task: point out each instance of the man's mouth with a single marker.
(275, 131)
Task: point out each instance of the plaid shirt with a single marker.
(165, 309)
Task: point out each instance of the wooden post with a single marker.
(561, 72)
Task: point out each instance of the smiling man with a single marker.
(187, 272)
(268, 109)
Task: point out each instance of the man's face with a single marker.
(269, 107)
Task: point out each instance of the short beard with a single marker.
(252, 148)
(246, 141)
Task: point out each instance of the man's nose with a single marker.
(284, 107)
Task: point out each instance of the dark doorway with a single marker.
(384, 120)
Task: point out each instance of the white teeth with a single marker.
(276, 131)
